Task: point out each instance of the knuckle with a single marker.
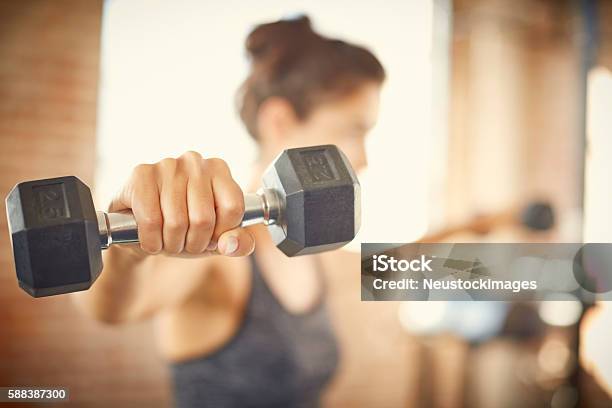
(191, 155)
(203, 221)
(142, 170)
(233, 209)
(192, 163)
(217, 163)
(168, 164)
(150, 221)
(176, 223)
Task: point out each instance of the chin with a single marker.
(360, 169)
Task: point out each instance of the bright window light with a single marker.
(598, 194)
(595, 336)
(170, 71)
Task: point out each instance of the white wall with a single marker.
(598, 194)
(170, 70)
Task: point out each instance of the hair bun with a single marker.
(274, 38)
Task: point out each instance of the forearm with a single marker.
(180, 222)
(116, 293)
(134, 285)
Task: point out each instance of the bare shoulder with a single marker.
(335, 262)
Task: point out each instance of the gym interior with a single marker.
(489, 108)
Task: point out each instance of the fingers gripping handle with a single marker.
(121, 228)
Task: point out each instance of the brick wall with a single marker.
(49, 62)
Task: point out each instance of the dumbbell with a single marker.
(535, 216)
(310, 202)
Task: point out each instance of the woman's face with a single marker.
(344, 122)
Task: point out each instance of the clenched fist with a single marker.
(187, 205)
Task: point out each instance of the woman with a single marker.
(241, 329)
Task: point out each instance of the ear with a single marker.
(276, 119)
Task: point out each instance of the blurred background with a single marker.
(489, 106)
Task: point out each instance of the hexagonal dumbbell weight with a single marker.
(310, 201)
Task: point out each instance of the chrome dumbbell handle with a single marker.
(263, 207)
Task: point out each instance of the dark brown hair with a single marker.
(290, 60)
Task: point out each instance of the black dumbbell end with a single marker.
(538, 216)
(321, 200)
(54, 234)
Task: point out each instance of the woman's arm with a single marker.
(134, 286)
(186, 210)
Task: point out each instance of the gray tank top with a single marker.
(276, 359)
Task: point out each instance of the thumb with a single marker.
(236, 242)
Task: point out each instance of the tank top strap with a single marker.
(263, 297)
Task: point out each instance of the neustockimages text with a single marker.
(386, 263)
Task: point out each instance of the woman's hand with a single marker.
(188, 205)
